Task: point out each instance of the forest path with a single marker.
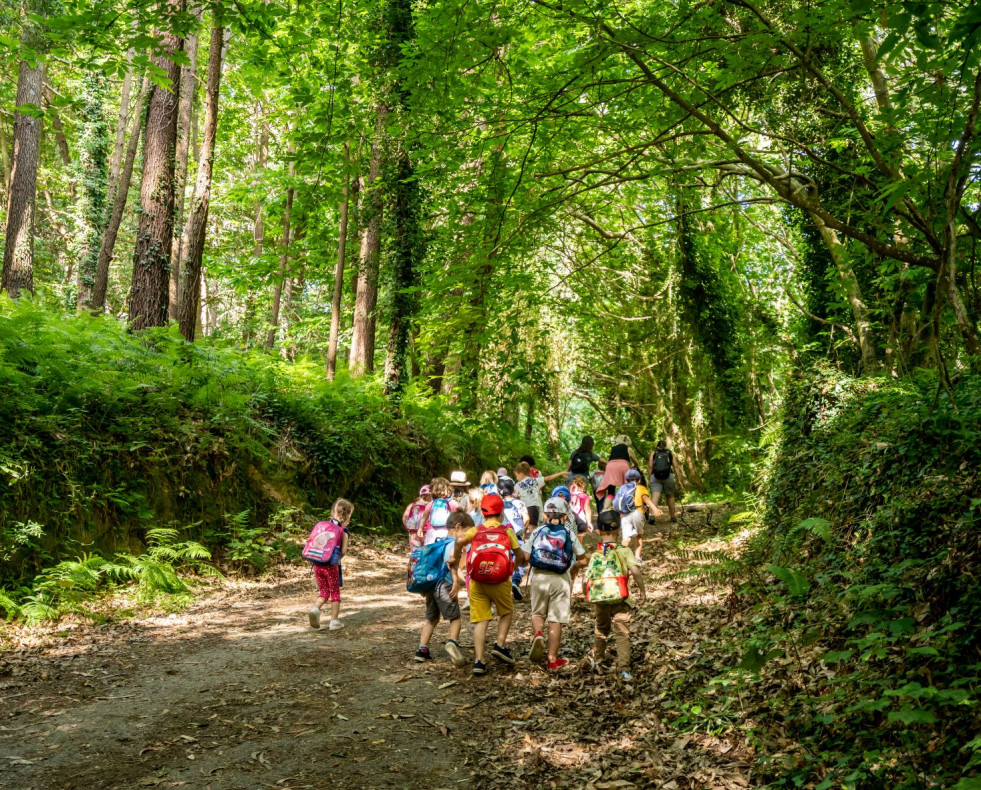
(238, 692)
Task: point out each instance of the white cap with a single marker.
(459, 478)
(557, 505)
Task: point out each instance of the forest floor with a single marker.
(237, 691)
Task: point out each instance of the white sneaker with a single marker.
(315, 618)
(336, 625)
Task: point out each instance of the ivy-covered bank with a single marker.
(855, 642)
(105, 435)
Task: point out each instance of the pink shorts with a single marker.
(328, 579)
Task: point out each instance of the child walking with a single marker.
(607, 587)
(553, 550)
(494, 549)
(631, 502)
(580, 501)
(413, 516)
(441, 601)
(437, 512)
(327, 573)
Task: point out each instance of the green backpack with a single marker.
(606, 577)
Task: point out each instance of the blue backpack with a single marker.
(427, 567)
(551, 548)
(439, 513)
(623, 502)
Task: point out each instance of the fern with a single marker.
(10, 607)
(817, 526)
(796, 582)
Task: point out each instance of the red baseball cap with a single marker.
(491, 505)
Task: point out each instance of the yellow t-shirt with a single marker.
(639, 493)
(492, 524)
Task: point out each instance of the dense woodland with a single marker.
(261, 253)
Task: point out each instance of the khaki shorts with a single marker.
(667, 487)
(551, 596)
(631, 525)
(483, 595)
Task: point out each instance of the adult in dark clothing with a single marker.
(583, 458)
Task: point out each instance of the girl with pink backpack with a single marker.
(414, 516)
(325, 548)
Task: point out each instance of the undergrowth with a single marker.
(105, 437)
(856, 617)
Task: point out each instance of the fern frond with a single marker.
(796, 582)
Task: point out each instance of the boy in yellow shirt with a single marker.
(631, 502)
(494, 549)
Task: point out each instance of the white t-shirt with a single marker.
(577, 550)
(529, 491)
(518, 528)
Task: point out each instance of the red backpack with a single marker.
(489, 560)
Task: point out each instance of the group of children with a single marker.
(484, 541)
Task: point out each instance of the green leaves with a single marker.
(794, 581)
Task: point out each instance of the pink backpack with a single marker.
(323, 547)
(579, 500)
(416, 512)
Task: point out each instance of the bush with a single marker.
(105, 435)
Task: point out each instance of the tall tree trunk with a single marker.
(853, 292)
(4, 160)
(184, 112)
(284, 261)
(258, 225)
(93, 163)
(335, 305)
(409, 249)
(149, 295)
(363, 338)
(100, 285)
(197, 221)
(119, 149)
(18, 254)
(61, 142)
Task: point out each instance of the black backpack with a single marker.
(663, 462)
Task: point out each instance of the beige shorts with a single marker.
(631, 525)
(551, 596)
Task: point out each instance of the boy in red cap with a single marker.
(494, 549)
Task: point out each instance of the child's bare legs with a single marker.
(480, 640)
(320, 603)
(503, 627)
(427, 632)
(639, 543)
(429, 627)
(554, 640)
(335, 610)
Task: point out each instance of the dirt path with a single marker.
(238, 692)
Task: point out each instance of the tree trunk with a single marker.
(185, 109)
(258, 226)
(119, 148)
(149, 295)
(363, 338)
(284, 261)
(93, 151)
(853, 291)
(18, 254)
(100, 285)
(409, 249)
(197, 222)
(335, 305)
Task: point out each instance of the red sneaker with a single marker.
(558, 663)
